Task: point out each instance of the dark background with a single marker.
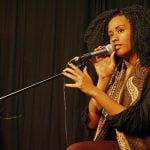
(37, 39)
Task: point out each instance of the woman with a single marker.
(122, 94)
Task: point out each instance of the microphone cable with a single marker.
(81, 66)
(65, 110)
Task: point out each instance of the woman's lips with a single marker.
(117, 47)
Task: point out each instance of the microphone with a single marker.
(101, 52)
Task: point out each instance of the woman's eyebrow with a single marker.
(117, 27)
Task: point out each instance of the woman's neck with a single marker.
(131, 61)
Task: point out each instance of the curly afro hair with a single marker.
(139, 18)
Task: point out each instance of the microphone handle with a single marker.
(94, 53)
(87, 56)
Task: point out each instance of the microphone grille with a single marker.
(110, 48)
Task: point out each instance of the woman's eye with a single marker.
(110, 35)
(120, 30)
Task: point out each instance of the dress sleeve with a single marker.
(135, 120)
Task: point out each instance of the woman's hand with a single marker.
(82, 79)
(104, 65)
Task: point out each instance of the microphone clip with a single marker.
(79, 62)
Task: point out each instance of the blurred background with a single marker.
(37, 39)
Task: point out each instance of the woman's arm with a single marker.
(85, 84)
(135, 120)
(94, 107)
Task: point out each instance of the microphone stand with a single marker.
(79, 64)
(31, 86)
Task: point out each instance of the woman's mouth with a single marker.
(117, 47)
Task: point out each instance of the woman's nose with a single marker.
(115, 38)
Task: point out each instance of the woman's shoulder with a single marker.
(147, 81)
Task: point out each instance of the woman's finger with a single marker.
(70, 85)
(85, 72)
(69, 75)
(75, 68)
(112, 58)
(70, 70)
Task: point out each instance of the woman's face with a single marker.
(119, 31)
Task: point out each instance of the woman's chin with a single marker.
(120, 54)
